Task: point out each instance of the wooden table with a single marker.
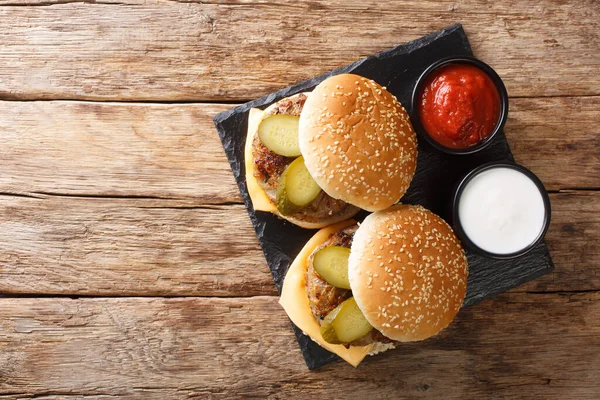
(128, 265)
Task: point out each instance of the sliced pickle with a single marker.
(301, 188)
(332, 264)
(280, 134)
(345, 324)
(327, 329)
(296, 188)
(350, 323)
(284, 205)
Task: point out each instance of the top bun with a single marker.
(408, 272)
(358, 142)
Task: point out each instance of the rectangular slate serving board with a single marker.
(432, 185)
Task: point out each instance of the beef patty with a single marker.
(323, 297)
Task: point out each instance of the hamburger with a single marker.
(317, 158)
(359, 290)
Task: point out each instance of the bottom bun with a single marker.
(381, 347)
(344, 216)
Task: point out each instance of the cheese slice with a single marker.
(260, 200)
(294, 299)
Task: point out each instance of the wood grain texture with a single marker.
(574, 243)
(130, 199)
(557, 138)
(218, 50)
(230, 348)
(108, 149)
(81, 246)
(117, 247)
(172, 151)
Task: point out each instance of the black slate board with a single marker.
(432, 185)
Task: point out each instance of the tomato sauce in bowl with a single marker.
(460, 105)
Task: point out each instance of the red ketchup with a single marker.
(459, 105)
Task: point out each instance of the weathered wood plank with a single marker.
(82, 246)
(128, 247)
(574, 242)
(151, 150)
(188, 50)
(557, 138)
(77, 148)
(517, 345)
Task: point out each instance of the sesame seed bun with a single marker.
(358, 142)
(408, 272)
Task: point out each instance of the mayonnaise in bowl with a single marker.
(501, 210)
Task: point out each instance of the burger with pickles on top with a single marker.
(359, 290)
(317, 158)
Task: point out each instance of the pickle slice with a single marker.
(327, 329)
(301, 188)
(331, 263)
(345, 324)
(280, 134)
(296, 188)
(284, 205)
(350, 323)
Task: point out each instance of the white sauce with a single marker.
(501, 210)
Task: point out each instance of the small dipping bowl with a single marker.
(439, 67)
(501, 210)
